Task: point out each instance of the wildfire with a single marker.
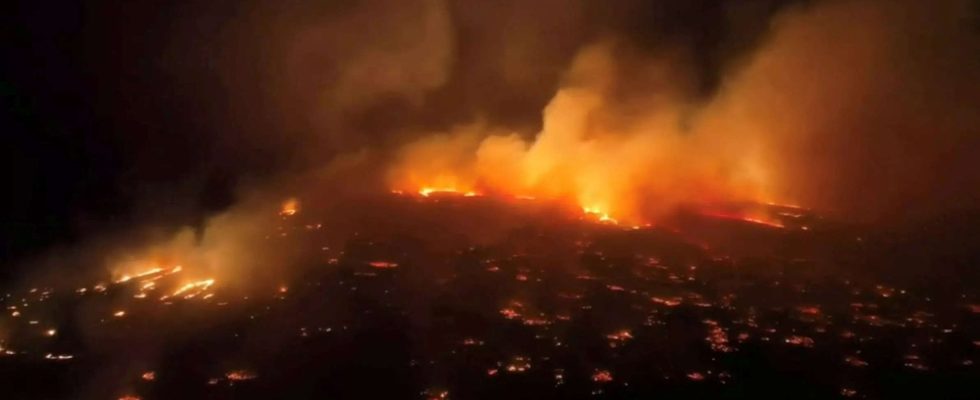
(619, 170)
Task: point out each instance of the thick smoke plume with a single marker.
(857, 108)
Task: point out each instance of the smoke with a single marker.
(860, 109)
(857, 108)
(613, 139)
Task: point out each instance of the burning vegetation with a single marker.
(598, 308)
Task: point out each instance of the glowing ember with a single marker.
(518, 365)
(149, 376)
(801, 341)
(536, 322)
(383, 264)
(752, 220)
(289, 208)
(192, 289)
(152, 271)
(671, 302)
(620, 336)
(602, 376)
(428, 191)
(436, 394)
(146, 276)
(240, 375)
(809, 310)
(717, 337)
(855, 361)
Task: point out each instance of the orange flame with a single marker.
(616, 166)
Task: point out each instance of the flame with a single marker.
(191, 289)
(599, 214)
(758, 220)
(602, 376)
(383, 264)
(127, 278)
(240, 375)
(620, 163)
(289, 207)
(427, 191)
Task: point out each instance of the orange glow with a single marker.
(599, 214)
(148, 275)
(240, 375)
(190, 290)
(289, 208)
(620, 336)
(126, 278)
(592, 154)
(602, 376)
(745, 218)
(427, 191)
(383, 264)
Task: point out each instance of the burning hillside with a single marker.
(425, 294)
